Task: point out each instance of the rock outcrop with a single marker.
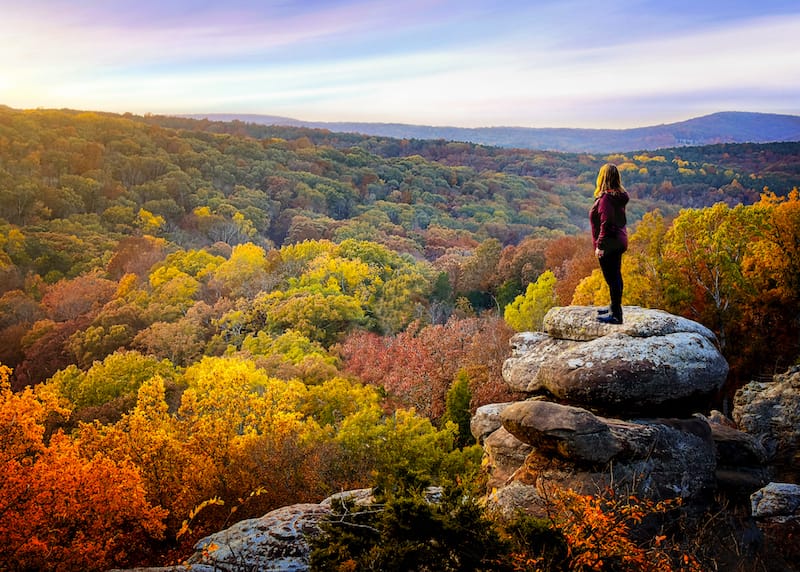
(278, 541)
(770, 412)
(777, 502)
(776, 510)
(659, 458)
(506, 454)
(275, 542)
(486, 420)
(653, 364)
(609, 405)
(624, 407)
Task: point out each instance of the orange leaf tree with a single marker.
(59, 509)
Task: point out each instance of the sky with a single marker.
(465, 63)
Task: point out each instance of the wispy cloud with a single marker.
(468, 63)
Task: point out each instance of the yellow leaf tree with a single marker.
(526, 312)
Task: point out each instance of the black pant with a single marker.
(611, 265)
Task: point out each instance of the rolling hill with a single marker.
(723, 127)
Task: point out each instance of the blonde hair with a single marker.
(608, 179)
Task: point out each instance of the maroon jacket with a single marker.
(608, 220)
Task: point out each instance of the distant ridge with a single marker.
(722, 127)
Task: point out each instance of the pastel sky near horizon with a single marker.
(468, 63)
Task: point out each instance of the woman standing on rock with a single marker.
(610, 236)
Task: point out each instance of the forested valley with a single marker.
(202, 321)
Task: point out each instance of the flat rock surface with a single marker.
(579, 323)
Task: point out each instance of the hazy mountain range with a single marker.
(723, 127)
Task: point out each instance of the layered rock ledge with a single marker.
(611, 406)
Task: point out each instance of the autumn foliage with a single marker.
(419, 365)
(598, 532)
(61, 508)
(204, 321)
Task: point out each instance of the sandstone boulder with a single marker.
(736, 448)
(654, 364)
(777, 502)
(505, 455)
(776, 510)
(509, 501)
(572, 447)
(275, 542)
(486, 420)
(569, 432)
(770, 412)
(361, 497)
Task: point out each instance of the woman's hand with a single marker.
(598, 253)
